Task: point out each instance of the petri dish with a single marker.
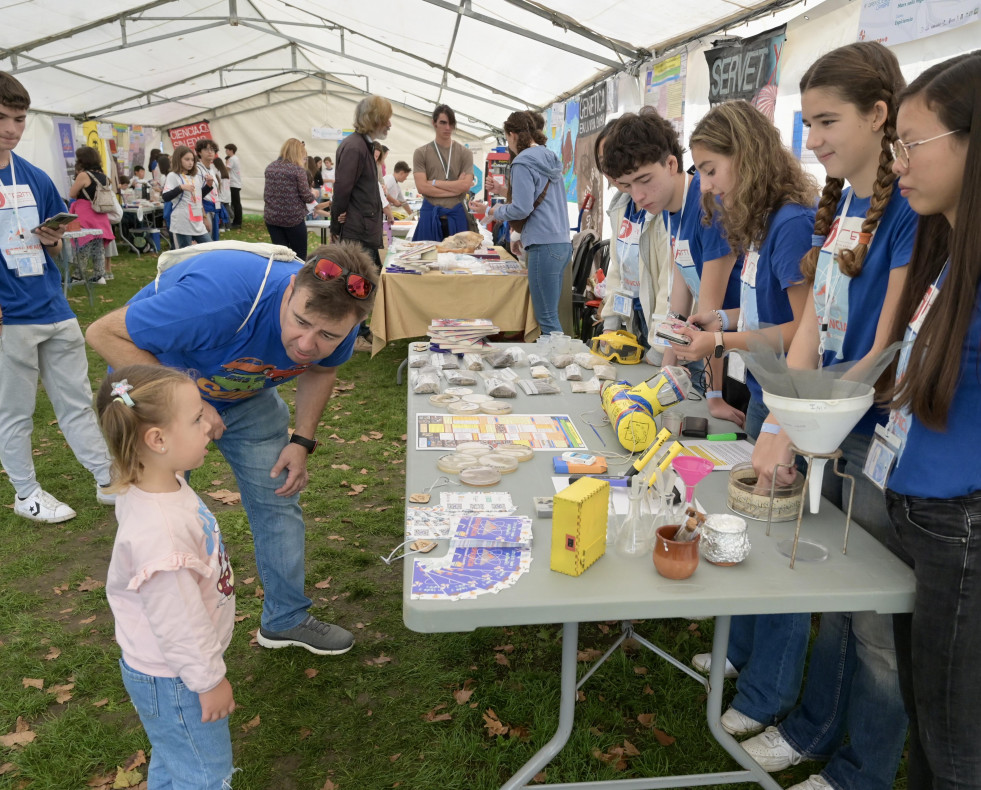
(442, 399)
(480, 476)
(454, 463)
(520, 451)
(477, 398)
(458, 391)
(502, 462)
(495, 407)
(463, 407)
(474, 448)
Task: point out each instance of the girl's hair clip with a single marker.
(121, 389)
(818, 241)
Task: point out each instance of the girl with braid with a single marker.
(863, 238)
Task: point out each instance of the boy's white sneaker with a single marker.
(813, 782)
(703, 663)
(738, 724)
(771, 750)
(43, 507)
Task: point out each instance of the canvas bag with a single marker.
(104, 202)
(518, 224)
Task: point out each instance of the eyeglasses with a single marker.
(358, 287)
(900, 150)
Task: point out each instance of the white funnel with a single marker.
(819, 426)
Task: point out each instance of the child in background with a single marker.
(170, 586)
(184, 189)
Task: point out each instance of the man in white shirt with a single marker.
(235, 178)
(393, 188)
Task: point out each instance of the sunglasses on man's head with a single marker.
(358, 287)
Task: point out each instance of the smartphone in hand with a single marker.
(58, 220)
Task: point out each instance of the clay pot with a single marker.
(673, 559)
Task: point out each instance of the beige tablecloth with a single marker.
(406, 303)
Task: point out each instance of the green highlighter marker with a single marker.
(725, 437)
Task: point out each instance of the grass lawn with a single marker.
(408, 710)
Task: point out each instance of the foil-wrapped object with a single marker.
(724, 539)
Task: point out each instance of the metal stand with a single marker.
(835, 457)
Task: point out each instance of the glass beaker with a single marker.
(635, 538)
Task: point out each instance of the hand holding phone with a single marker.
(59, 220)
(666, 331)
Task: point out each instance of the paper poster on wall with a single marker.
(65, 136)
(190, 134)
(747, 69)
(589, 181)
(894, 22)
(327, 133)
(799, 146)
(563, 143)
(556, 114)
(664, 89)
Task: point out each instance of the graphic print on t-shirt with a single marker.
(213, 542)
(244, 377)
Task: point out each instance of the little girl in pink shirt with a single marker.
(170, 586)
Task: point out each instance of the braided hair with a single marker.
(862, 74)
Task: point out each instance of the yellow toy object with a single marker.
(621, 346)
(579, 525)
(632, 409)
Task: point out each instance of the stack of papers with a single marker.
(461, 335)
(492, 531)
(468, 572)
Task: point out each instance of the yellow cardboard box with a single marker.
(579, 525)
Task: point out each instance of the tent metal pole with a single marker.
(520, 31)
(568, 23)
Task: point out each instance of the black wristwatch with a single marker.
(303, 441)
(720, 346)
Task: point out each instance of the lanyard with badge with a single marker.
(890, 441)
(681, 251)
(623, 298)
(747, 307)
(449, 157)
(24, 257)
(831, 301)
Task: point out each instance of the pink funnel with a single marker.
(692, 471)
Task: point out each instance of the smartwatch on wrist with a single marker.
(720, 346)
(303, 441)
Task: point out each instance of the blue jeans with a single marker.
(767, 649)
(186, 754)
(184, 240)
(852, 683)
(546, 265)
(938, 645)
(215, 221)
(255, 434)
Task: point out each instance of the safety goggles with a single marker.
(619, 346)
(357, 286)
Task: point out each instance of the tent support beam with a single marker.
(568, 23)
(107, 20)
(382, 67)
(449, 52)
(520, 31)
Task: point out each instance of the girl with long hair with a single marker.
(857, 268)
(185, 190)
(934, 491)
(537, 198)
(765, 201)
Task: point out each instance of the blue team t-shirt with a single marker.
(704, 243)
(943, 464)
(764, 300)
(852, 317)
(190, 322)
(38, 299)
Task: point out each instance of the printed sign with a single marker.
(190, 134)
(747, 69)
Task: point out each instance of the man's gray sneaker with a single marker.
(323, 639)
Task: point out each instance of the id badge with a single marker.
(623, 304)
(881, 457)
(750, 264)
(737, 367)
(682, 254)
(27, 261)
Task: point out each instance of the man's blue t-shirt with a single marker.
(848, 324)
(766, 277)
(704, 243)
(35, 299)
(191, 321)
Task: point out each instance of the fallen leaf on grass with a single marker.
(259, 593)
(613, 757)
(375, 434)
(217, 482)
(494, 725)
(640, 670)
(329, 785)
(356, 489)
(432, 715)
(646, 719)
(311, 673)
(101, 782)
(342, 467)
(126, 779)
(62, 692)
(462, 696)
(394, 757)
(648, 690)
(505, 648)
(343, 386)
(61, 588)
(377, 662)
(325, 584)
(87, 620)
(539, 777)
(6, 768)
(136, 760)
(336, 537)
(90, 584)
(589, 654)
(248, 580)
(101, 703)
(305, 732)
(225, 496)
(663, 738)
(53, 653)
(250, 725)
(33, 683)
(502, 659)
(21, 735)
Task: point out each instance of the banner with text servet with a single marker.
(747, 69)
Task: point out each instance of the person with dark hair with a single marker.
(41, 337)
(443, 173)
(393, 185)
(234, 165)
(91, 249)
(642, 156)
(356, 196)
(857, 268)
(247, 323)
(184, 189)
(153, 165)
(207, 151)
(536, 203)
(934, 491)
